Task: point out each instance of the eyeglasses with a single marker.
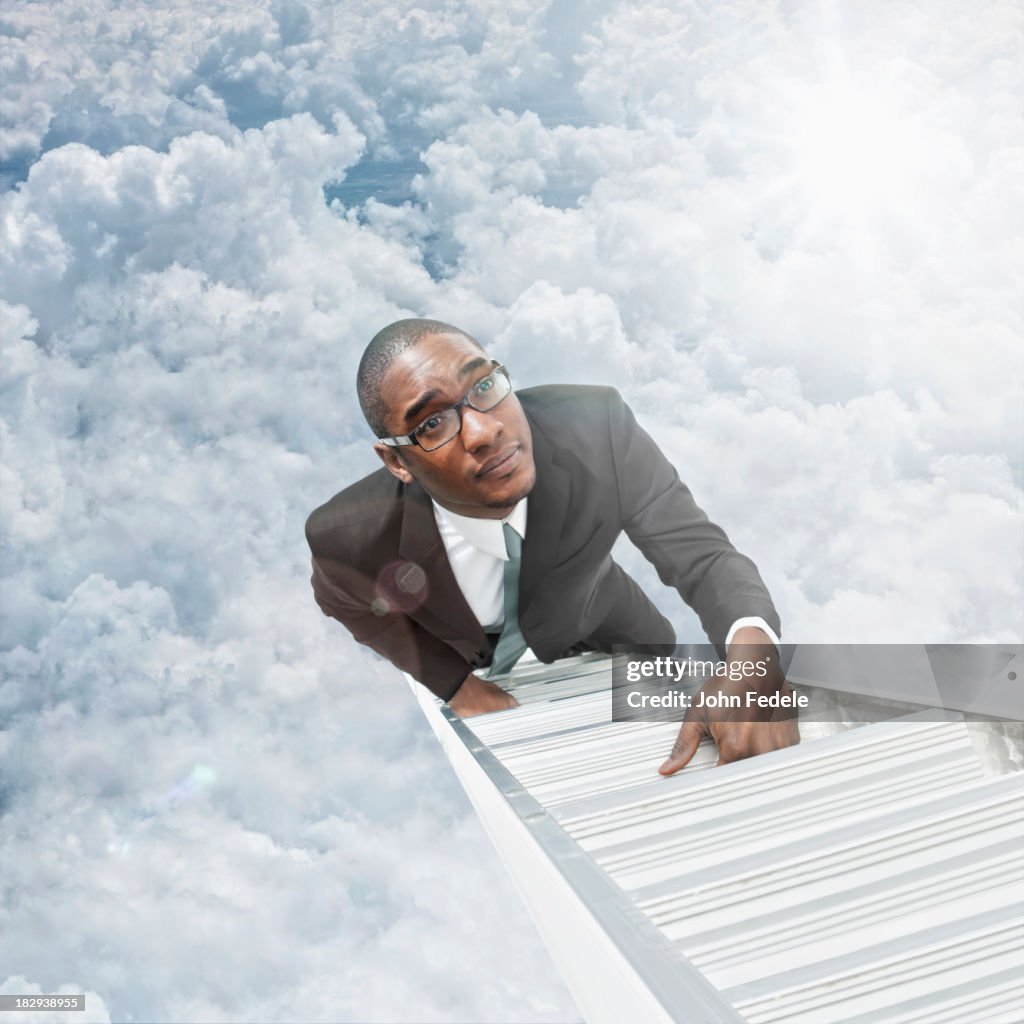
(441, 427)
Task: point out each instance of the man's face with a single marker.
(488, 467)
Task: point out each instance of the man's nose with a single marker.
(479, 429)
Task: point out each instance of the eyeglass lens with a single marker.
(440, 428)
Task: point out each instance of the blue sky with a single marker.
(789, 233)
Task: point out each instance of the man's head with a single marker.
(414, 369)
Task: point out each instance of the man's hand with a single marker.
(741, 731)
(477, 696)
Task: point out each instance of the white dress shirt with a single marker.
(476, 551)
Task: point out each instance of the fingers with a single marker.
(737, 741)
(731, 748)
(481, 697)
(684, 748)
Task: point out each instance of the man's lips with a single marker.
(506, 459)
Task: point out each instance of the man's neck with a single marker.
(470, 527)
(476, 511)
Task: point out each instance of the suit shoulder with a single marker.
(576, 412)
(555, 400)
(364, 507)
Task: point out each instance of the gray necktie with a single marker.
(511, 645)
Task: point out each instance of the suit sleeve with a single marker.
(377, 624)
(690, 553)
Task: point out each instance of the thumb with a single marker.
(683, 749)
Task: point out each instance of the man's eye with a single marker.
(485, 385)
(428, 425)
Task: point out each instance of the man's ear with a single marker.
(394, 462)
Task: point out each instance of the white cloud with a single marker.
(166, 669)
(792, 233)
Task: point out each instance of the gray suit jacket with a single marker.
(380, 567)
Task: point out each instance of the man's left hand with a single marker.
(742, 731)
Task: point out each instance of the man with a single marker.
(490, 528)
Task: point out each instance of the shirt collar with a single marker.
(484, 534)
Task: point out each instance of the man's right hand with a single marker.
(477, 696)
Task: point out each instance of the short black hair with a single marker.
(384, 348)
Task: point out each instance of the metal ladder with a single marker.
(874, 873)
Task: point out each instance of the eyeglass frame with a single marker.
(406, 440)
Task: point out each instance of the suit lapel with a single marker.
(545, 517)
(421, 543)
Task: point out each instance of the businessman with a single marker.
(489, 529)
